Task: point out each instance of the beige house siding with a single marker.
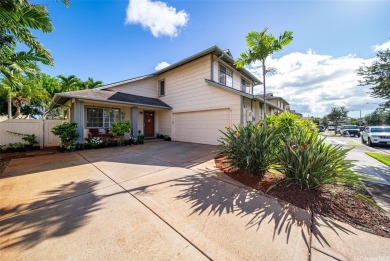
(145, 87)
(163, 122)
(187, 91)
(256, 110)
(251, 108)
(279, 103)
(236, 74)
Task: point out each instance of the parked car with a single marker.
(331, 127)
(375, 135)
(338, 129)
(321, 128)
(350, 130)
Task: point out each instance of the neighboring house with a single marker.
(296, 113)
(274, 104)
(191, 100)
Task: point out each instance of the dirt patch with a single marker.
(7, 157)
(335, 201)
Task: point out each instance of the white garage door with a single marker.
(201, 127)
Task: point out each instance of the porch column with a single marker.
(134, 120)
(79, 119)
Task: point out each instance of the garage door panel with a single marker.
(201, 127)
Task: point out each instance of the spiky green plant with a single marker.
(306, 159)
(290, 123)
(251, 148)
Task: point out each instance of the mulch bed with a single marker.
(334, 201)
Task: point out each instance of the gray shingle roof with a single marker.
(112, 96)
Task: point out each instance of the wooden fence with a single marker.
(41, 128)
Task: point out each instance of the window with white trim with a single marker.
(102, 117)
(161, 88)
(245, 86)
(225, 76)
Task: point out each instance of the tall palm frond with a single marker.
(260, 46)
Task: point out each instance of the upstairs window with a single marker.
(225, 76)
(161, 88)
(245, 86)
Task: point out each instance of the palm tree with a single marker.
(261, 45)
(90, 84)
(22, 90)
(17, 18)
(70, 83)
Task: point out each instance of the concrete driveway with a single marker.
(158, 201)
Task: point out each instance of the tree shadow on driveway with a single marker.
(57, 214)
(208, 194)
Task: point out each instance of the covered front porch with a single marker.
(96, 110)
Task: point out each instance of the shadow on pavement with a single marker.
(55, 215)
(209, 194)
(381, 173)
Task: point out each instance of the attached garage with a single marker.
(201, 126)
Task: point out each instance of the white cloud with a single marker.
(314, 83)
(381, 47)
(161, 65)
(157, 16)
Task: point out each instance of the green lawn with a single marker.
(384, 158)
(354, 143)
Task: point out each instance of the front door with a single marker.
(148, 124)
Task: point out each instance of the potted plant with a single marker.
(141, 139)
(167, 138)
(68, 134)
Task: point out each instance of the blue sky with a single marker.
(115, 40)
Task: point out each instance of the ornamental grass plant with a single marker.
(306, 159)
(251, 148)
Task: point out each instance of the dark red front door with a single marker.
(149, 124)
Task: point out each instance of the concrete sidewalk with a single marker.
(158, 201)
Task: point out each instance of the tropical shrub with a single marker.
(30, 138)
(251, 148)
(310, 162)
(289, 123)
(120, 128)
(67, 133)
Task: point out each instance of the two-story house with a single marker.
(191, 100)
(274, 104)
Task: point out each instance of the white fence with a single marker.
(41, 128)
